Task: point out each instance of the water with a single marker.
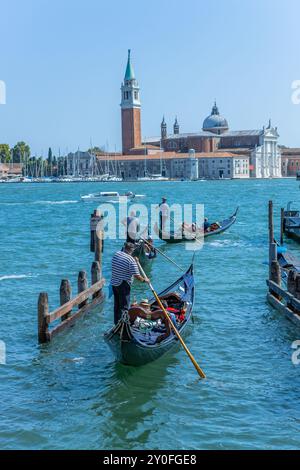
(71, 394)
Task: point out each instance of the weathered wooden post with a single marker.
(82, 286)
(272, 244)
(291, 282)
(99, 244)
(95, 219)
(65, 294)
(281, 225)
(43, 310)
(297, 289)
(96, 275)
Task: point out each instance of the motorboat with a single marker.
(111, 196)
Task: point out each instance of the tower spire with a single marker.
(129, 74)
(176, 126)
(163, 129)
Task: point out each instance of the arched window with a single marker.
(172, 145)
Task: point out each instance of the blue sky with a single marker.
(63, 63)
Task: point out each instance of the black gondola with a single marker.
(135, 347)
(214, 229)
(143, 254)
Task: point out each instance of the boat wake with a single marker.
(15, 276)
(55, 202)
(36, 202)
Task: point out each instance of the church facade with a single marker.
(258, 146)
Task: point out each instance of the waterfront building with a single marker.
(259, 147)
(81, 164)
(290, 161)
(185, 166)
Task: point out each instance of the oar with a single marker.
(163, 254)
(197, 367)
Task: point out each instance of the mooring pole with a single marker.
(272, 244)
(65, 294)
(96, 275)
(82, 286)
(43, 310)
(95, 219)
(99, 243)
(281, 225)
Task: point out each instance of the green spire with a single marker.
(129, 75)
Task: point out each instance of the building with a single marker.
(10, 170)
(290, 161)
(131, 110)
(182, 166)
(81, 164)
(215, 151)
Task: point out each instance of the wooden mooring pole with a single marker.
(82, 286)
(281, 225)
(65, 294)
(272, 244)
(43, 310)
(96, 275)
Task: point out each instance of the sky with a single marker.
(63, 61)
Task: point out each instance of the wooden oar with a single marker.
(197, 367)
(163, 254)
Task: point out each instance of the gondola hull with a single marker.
(171, 237)
(128, 350)
(143, 256)
(132, 353)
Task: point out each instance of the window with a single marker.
(172, 145)
(136, 95)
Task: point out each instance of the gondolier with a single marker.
(132, 225)
(124, 271)
(164, 212)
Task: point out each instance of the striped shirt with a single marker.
(124, 267)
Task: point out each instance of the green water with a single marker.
(72, 395)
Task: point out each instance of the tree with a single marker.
(49, 156)
(21, 152)
(4, 153)
(97, 150)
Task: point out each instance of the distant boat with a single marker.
(110, 196)
(157, 177)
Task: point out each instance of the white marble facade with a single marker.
(266, 157)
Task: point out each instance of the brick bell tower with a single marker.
(131, 110)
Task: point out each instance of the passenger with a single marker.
(149, 248)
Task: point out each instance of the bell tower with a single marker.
(130, 109)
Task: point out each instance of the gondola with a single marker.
(144, 256)
(287, 261)
(134, 344)
(291, 223)
(214, 229)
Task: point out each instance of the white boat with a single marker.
(110, 196)
(150, 177)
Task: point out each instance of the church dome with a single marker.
(215, 122)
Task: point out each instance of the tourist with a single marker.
(124, 271)
(150, 249)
